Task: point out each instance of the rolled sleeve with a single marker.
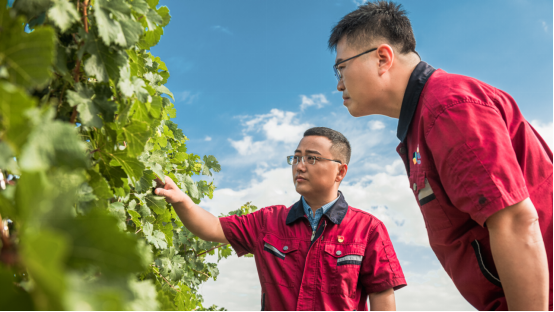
(477, 165)
(242, 232)
(380, 267)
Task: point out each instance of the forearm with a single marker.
(520, 257)
(382, 301)
(199, 221)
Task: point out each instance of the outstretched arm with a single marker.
(197, 220)
(382, 301)
(520, 257)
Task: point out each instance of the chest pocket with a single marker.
(279, 261)
(341, 268)
(433, 213)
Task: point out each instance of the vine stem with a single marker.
(85, 5)
(216, 247)
(159, 274)
(201, 273)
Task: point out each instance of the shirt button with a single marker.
(402, 150)
(286, 248)
(339, 253)
(415, 187)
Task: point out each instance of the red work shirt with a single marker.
(470, 153)
(333, 268)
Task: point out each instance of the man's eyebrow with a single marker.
(338, 61)
(308, 151)
(313, 152)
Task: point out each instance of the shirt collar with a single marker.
(335, 213)
(417, 81)
(325, 207)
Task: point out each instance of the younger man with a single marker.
(318, 254)
(480, 173)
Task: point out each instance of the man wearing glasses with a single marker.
(318, 254)
(480, 173)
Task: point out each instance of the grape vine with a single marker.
(85, 129)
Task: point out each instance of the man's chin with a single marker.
(302, 190)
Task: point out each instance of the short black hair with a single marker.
(378, 19)
(340, 146)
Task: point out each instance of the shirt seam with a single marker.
(447, 107)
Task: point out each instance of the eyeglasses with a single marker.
(337, 70)
(293, 160)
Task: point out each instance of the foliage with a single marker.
(85, 128)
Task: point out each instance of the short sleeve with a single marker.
(242, 232)
(476, 162)
(380, 268)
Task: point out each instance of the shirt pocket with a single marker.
(341, 268)
(432, 210)
(279, 260)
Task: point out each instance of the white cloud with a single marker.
(545, 130)
(281, 132)
(317, 100)
(544, 26)
(222, 29)
(376, 125)
(186, 97)
(430, 291)
(208, 139)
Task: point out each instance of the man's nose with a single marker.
(301, 166)
(340, 86)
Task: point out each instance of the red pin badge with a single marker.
(341, 238)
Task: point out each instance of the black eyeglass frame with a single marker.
(290, 158)
(336, 69)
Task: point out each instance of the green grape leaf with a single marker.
(13, 298)
(145, 182)
(13, 103)
(147, 227)
(135, 217)
(132, 166)
(140, 6)
(212, 163)
(44, 253)
(103, 62)
(136, 134)
(114, 175)
(120, 30)
(52, 143)
(27, 56)
(102, 244)
(118, 210)
(164, 13)
(157, 239)
(156, 203)
(150, 38)
(176, 218)
(144, 294)
(63, 14)
(88, 111)
(165, 90)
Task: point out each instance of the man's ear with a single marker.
(385, 53)
(342, 173)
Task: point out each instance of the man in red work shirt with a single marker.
(480, 173)
(318, 254)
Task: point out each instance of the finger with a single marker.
(160, 192)
(159, 182)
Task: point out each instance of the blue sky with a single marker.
(250, 76)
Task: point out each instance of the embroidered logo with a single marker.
(417, 157)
